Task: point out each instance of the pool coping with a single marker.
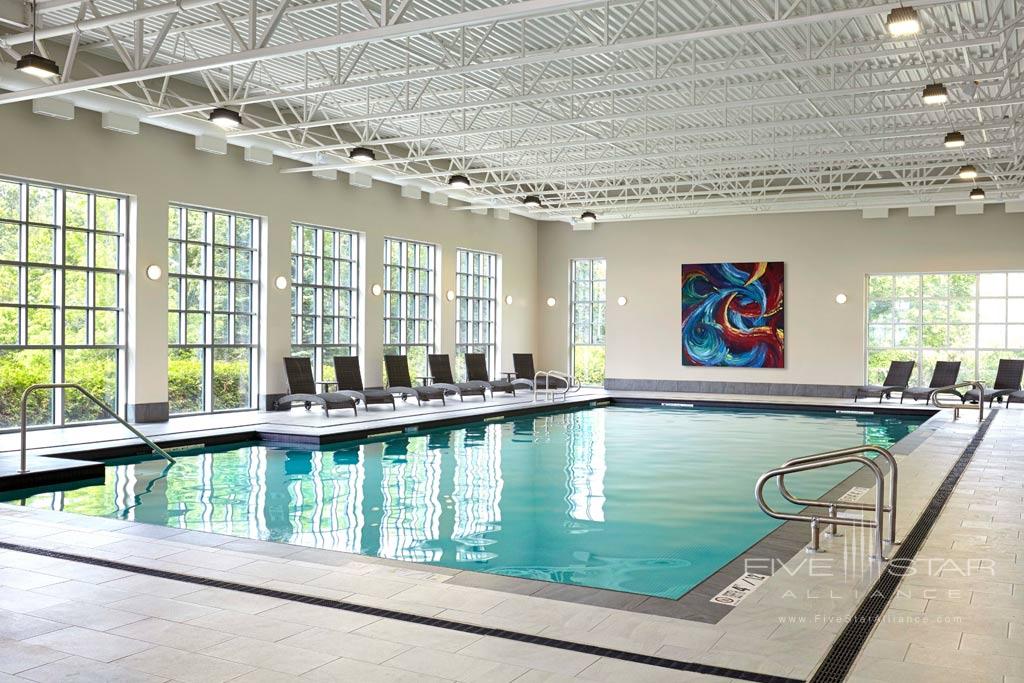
(778, 546)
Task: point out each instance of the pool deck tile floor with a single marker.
(61, 618)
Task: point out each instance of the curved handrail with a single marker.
(570, 384)
(833, 505)
(103, 406)
(814, 545)
(934, 398)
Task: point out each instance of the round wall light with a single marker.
(153, 272)
(376, 290)
(840, 298)
(508, 300)
(281, 282)
(622, 301)
(551, 301)
(450, 295)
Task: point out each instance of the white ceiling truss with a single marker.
(630, 108)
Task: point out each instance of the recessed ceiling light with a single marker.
(977, 193)
(954, 139)
(362, 154)
(225, 118)
(38, 66)
(459, 182)
(903, 21)
(935, 93)
(588, 217)
(968, 172)
(532, 200)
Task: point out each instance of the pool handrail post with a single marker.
(934, 399)
(103, 406)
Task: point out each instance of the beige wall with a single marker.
(825, 253)
(160, 166)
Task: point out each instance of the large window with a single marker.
(325, 301)
(588, 306)
(62, 300)
(409, 302)
(476, 305)
(976, 318)
(212, 310)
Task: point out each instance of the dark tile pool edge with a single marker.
(840, 658)
(623, 655)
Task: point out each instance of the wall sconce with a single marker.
(508, 300)
(551, 301)
(376, 290)
(622, 301)
(281, 282)
(450, 295)
(840, 298)
(153, 272)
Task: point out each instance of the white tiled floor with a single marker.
(62, 619)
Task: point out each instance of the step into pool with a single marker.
(647, 500)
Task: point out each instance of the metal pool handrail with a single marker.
(570, 384)
(848, 505)
(103, 406)
(934, 398)
(833, 458)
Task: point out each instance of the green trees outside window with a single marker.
(61, 300)
(409, 301)
(476, 305)
(589, 300)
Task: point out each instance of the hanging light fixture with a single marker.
(968, 172)
(35, 64)
(903, 21)
(532, 200)
(935, 93)
(954, 139)
(459, 182)
(588, 217)
(362, 154)
(977, 193)
(225, 118)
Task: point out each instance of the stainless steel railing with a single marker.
(550, 392)
(857, 455)
(957, 407)
(103, 406)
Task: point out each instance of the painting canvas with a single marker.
(733, 314)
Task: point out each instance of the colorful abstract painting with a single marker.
(732, 314)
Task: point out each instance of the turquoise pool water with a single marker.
(638, 499)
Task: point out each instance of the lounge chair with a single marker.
(400, 383)
(302, 388)
(1017, 396)
(441, 372)
(525, 372)
(896, 379)
(945, 374)
(476, 371)
(350, 382)
(1008, 378)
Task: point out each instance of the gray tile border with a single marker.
(715, 387)
(149, 412)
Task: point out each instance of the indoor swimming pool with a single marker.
(646, 500)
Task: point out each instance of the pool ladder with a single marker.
(957, 407)
(85, 392)
(553, 393)
(855, 454)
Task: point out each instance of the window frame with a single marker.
(59, 307)
(209, 279)
(403, 293)
(474, 302)
(317, 348)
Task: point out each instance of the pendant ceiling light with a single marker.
(588, 217)
(532, 200)
(362, 154)
(968, 172)
(954, 139)
(977, 193)
(33, 63)
(935, 93)
(459, 182)
(225, 118)
(903, 21)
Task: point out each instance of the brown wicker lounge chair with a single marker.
(896, 379)
(525, 372)
(476, 371)
(441, 372)
(302, 388)
(350, 382)
(945, 374)
(400, 383)
(1008, 379)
